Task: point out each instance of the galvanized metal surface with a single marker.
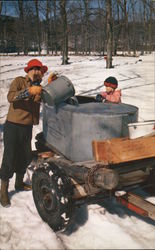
(71, 129)
(57, 91)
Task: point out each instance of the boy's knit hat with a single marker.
(111, 82)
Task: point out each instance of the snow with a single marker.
(105, 225)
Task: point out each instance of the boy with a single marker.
(111, 94)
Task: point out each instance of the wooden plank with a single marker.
(119, 150)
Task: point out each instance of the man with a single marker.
(24, 97)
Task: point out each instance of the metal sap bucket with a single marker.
(58, 91)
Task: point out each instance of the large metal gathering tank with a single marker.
(70, 129)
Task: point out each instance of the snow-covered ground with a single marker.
(106, 225)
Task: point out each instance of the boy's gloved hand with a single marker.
(35, 90)
(99, 98)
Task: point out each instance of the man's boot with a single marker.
(4, 196)
(20, 185)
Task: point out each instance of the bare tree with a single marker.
(38, 27)
(133, 4)
(80, 26)
(126, 28)
(145, 40)
(47, 26)
(101, 16)
(109, 34)
(117, 26)
(64, 31)
(74, 23)
(150, 24)
(87, 26)
(55, 26)
(1, 5)
(22, 27)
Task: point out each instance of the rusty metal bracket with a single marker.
(90, 178)
(137, 204)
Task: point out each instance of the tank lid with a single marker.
(102, 108)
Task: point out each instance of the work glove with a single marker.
(35, 90)
(99, 98)
(52, 77)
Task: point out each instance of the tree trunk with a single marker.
(38, 27)
(126, 29)
(22, 26)
(117, 29)
(47, 27)
(150, 28)
(1, 4)
(55, 25)
(133, 29)
(65, 32)
(87, 28)
(109, 34)
(144, 46)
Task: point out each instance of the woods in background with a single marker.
(80, 27)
